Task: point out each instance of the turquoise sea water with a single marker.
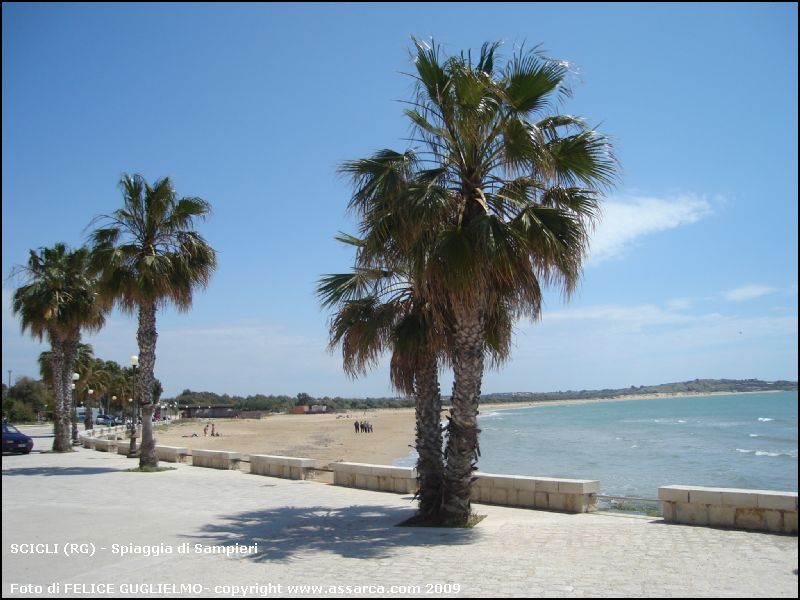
(633, 447)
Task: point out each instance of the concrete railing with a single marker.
(729, 507)
(216, 459)
(282, 466)
(88, 441)
(568, 495)
(124, 447)
(105, 445)
(172, 453)
(402, 480)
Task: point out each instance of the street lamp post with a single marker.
(88, 420)
(132, 449)
(108, 408)
(75, 377)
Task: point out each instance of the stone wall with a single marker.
(401, 480)
(282, 466)
(216, 459)
(566, 495)
(760, 510)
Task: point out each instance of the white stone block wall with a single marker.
(285, 467)
(216, 459)
(567, 495)
(759, 510)
(172, 453)
(400, 480)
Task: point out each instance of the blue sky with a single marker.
(693, 270)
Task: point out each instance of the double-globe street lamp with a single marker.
(132, 449)
(88, 420)
(75, 377)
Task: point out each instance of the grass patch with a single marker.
(416, 521)
(150, 469)
(650, 510)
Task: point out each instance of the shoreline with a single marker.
(331, 437)
(655, 396)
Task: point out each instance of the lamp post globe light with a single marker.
(75, 377)
(88, 421)
(132, 450)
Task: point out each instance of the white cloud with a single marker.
(748, 292)
(627, 220)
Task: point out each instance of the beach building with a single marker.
(216, 411)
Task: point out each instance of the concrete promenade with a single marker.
(314, 534)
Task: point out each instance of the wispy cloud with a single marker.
(626, 220)
(748, 292)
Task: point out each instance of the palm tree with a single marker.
(149, 255)
(58, 301)
(506, 196)
(377, 310)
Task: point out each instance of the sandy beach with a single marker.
(331, 437)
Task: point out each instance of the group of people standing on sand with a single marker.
(213, 433)
(363, 426)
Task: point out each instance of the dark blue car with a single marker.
(15, 441)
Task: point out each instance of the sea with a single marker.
(634, 447)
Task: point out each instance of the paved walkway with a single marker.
(312, 534)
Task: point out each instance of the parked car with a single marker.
(104, 420)
(15, 441)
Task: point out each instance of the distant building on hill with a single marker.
(216, 411)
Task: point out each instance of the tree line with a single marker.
(139, 258)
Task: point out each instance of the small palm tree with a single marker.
(149, 255)
(58, 301)
(377, 311)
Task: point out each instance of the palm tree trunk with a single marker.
(147, 336)
(61, 436)
(462, 431)
(430, 464)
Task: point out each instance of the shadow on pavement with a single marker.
(351, 532)
(58, 471)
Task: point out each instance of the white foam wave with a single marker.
(763, 452)
(753, 435)
(765, 419)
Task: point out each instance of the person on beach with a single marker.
(212, 430)
(356, 426)
(205, 431)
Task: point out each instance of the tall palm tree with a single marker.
(149, 255)
(511, 192)
(59, 300)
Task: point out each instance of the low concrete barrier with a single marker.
(401, 480)
(760, 510)
(124, 447)
(216, 459)
(88, 442)
(282, 466)
(105, 445)
(172, 453)
(567, 495)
